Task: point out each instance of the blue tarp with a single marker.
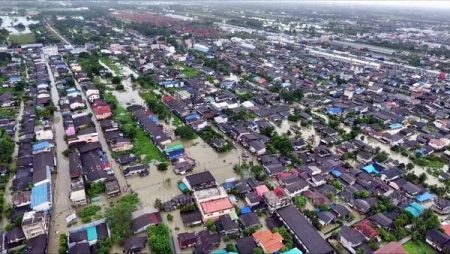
(245, 210)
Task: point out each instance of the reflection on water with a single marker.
(10, 24)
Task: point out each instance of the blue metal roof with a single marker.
(293, 251)
(415, 209)
(39, 194)
(424, 197)
(336, 173)
(370, 169)
(395, 126)
(334, 111)
(40, 145)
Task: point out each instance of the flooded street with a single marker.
(61, 181)
(163, 185)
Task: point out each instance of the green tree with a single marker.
(282, 144)
(268, 131)
(362, 194)
(119, 219)
(185, 132)
(231, 247)
(300, 202)
(258, 250)
(7, 147)
(409, 166)
(158, 204)
(428, 220)
(159, 239)
(288, 240)
(381, 156)
(116, 80)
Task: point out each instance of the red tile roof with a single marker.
(366, 228)
(269, 241)
(216, 205)
(446, 229)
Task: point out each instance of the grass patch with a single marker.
(88, 212)
(8, 113)
(21, 38)
(430, 161)
(414, 247)
(108, 62)
(176, 121)
(144, 146)
(189, 72)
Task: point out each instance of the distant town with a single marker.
(222, 127)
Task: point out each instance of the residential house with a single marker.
(34, 223)
(350, 238)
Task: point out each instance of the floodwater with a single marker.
(163, 185)
(402, 159)
(10, 23)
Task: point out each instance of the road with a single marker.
(116, 169)
(58, 34)
(101, 138)
(61, 182)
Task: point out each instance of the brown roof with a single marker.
(20, 198)
(391, 248)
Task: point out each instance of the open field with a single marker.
(108, 62)
(21, 38)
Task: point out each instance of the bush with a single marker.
(162, 166)
(95, 189)
(86, 213)
(66, 152)
(120, 87)
(169, 217)
(63, 245)
(116, 80)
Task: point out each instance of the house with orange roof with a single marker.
(268, 241)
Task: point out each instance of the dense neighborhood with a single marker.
(134, 128)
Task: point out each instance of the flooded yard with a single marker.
(11, 23)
